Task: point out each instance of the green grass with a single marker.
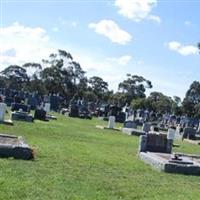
(76, 161)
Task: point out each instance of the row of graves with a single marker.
(33, 99)
(16, 146)
(156, 146)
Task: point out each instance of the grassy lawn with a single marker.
(76, 161)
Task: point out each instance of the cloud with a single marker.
(188, 23)
(184, 50)
(111, 30)
(137, 10)
(64, 22)
(123, 60)
(154, 18)
(20, 44)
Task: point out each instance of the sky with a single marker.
(156, 39)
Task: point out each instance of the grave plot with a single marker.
(16, 147)
(21, 112)
(47, 107)
(2, 115)
(190, 135)
(156, 150)
(130, 128)
(111, 125)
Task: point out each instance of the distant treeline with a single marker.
(60, 74)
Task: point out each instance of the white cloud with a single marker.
(137, 10)
(20, 44)
(184, 50)
(154, 18)
(123, 60)
(111, 30)
(188, 23)
(64, 22)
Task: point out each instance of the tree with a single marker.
(140, 103)
(192, 99)
(16, 76)
(159, 103)
(98, 86)
(134, 87)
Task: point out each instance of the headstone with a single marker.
(40, 114)
(22, 116)
(130, 124)
(189, 133)
(13, 146)
(111, 122)
(171, 134)
(155, 143)
(73, 110)
(130, 118)
(19, 106)
(146, 127)
(2, 111)
(47, 107)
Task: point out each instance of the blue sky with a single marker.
(155, 39)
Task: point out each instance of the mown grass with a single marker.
(76, 161)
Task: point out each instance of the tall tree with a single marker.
(192, 99)
(134, 87)
(16, 76)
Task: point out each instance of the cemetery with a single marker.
(126, 147)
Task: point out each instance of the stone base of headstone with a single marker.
(22, 116)
(7, 122)
(13, 146)
(133, 131)
(106, 128)
(197, 142)
(163, 162)
(51, 117)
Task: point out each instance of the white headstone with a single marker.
(111, 123)
(2, 111)
(171, 134)
(47, 107)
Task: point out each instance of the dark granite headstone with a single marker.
(189, 133)
(19, 106)
(40, 114)
(155, 143)
(73, 111)
(130, 124)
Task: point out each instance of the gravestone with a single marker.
(19, 106)
(2, 115)
(189, 133)
(130, 118)
(146, 127)
(14, 146)
(171, 134)
(2, 111)
(21, 116)
(73, 110)
(130, 124)
(40, 114)
(47, 107)
(32, 101)
(111, 122)
(155, 143)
